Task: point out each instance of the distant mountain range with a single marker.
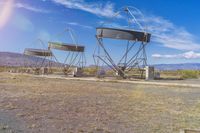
(17, 59)
(183, 66)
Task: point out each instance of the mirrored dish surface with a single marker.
(122, 34)
(37, 52)
(66, 47)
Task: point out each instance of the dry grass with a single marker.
(55, 105)
(180, 74)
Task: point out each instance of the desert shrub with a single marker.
(1, 69)
(110, 72)
(4, 69)
(90, 70)
(189, 74)
(171, 73)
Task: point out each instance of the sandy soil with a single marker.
(32, 104)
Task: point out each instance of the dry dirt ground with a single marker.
(40, 105)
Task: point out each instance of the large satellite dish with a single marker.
(132, 33)
(37, 58)
(73, 52)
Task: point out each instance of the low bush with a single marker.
(189, 74)
(90, 70)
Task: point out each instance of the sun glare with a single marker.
(5, 12)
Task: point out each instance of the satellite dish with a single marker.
(38, 58)
(74, 52)
(135, 36)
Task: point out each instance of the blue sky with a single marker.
(174, 25)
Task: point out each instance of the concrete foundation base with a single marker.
(77, 72)
(149, 73)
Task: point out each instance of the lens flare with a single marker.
(5, 12)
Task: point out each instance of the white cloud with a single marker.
(22, 23)
(164, 32)
(106, 10)
(186, 55)
(80, 25)
(28, 7)
(31, 8)
(169, 35)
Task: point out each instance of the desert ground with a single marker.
(43, 105)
